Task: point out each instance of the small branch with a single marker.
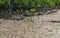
(55, 21)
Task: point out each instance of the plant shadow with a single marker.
(38, 11)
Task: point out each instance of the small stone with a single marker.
(50, 30)
(0, 22)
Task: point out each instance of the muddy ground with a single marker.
(42, 26)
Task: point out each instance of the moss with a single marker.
(28, 20)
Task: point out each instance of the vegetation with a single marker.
(18, 7)
(27, 20)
